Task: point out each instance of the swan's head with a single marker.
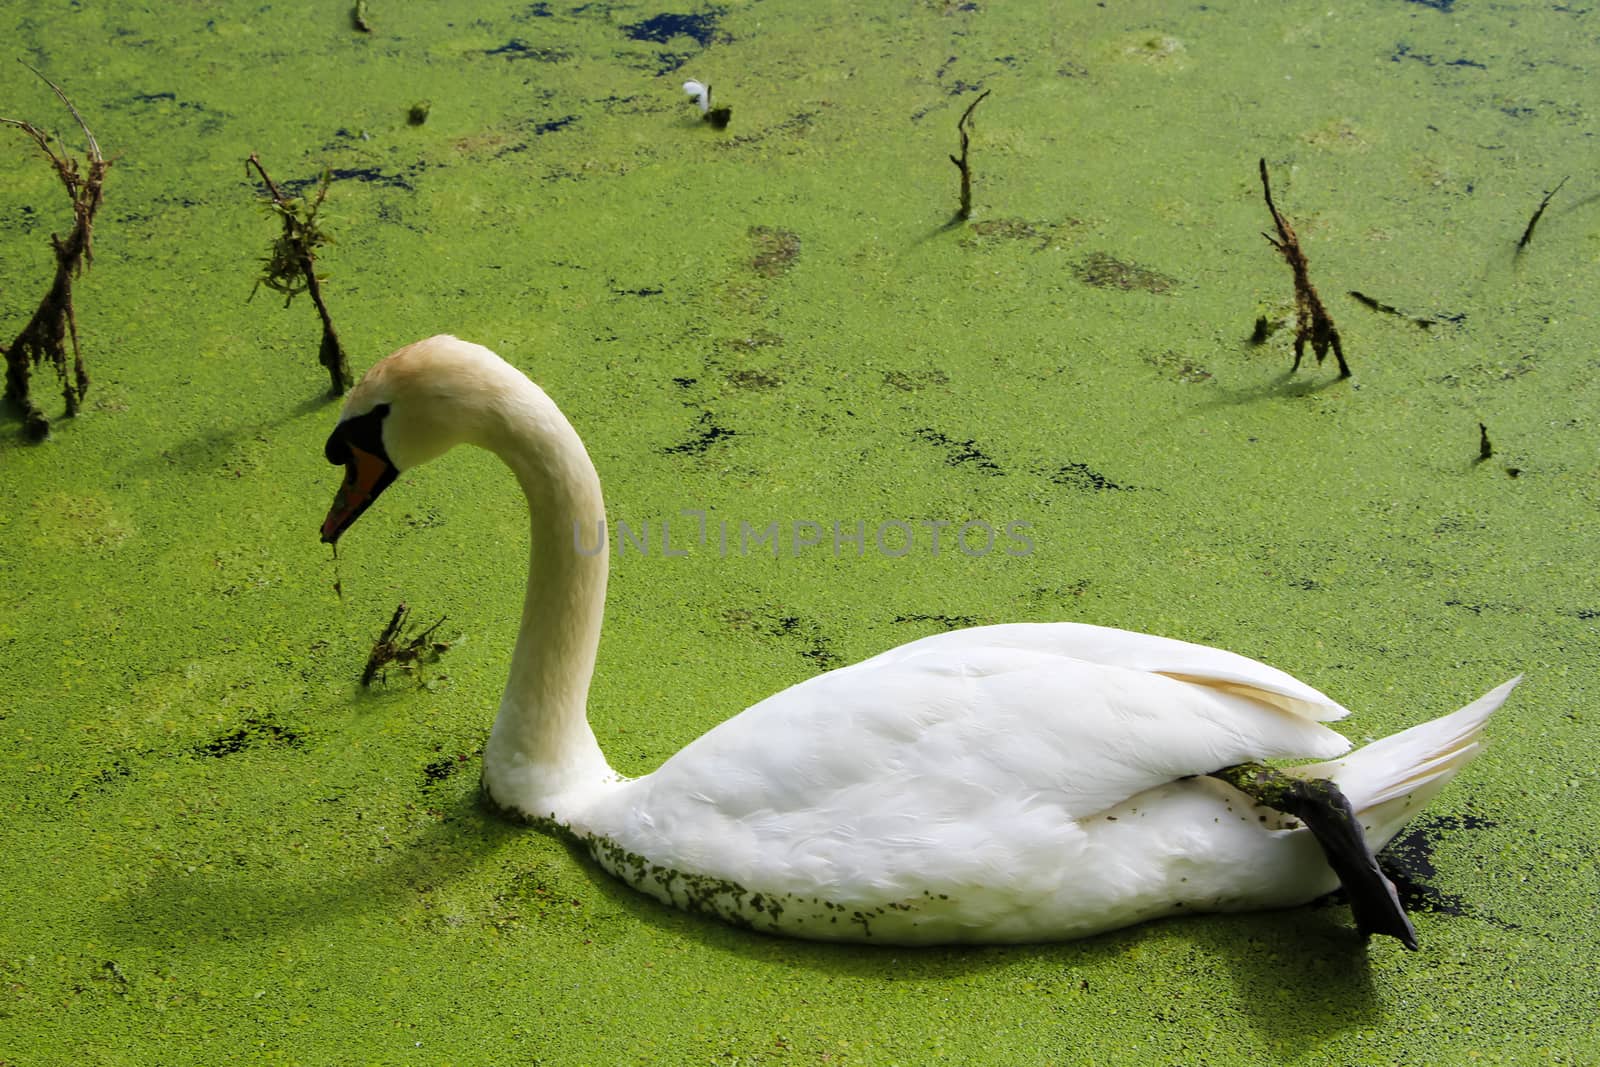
(412, 406)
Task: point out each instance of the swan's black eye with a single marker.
(363, 431)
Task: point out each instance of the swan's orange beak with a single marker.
(365, 476)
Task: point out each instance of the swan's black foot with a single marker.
(1326, 811)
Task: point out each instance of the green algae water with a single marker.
(219, 846)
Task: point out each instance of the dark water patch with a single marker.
(1105, 271)
(659, 29)
(1408, 861)
(775, 250)
(1482, 373)
(995, 231)
(746, 378)
(1403, 51)
(1179, 367)
(667, 62)
(547, 894)
(707, 433)
(424, 518)
(1082, 477)
(132, 217)
(959, 87)
(684, 383)
(439, 770)
(1052, 594)
(910, 381)
(257, 730)
(944, 622)
(825, 658)
(959, 453)
(1437, 5)
(642, 291)
(754, 340)
(542, 128)
(23, 220)
(775, 623)
(631, 104)
(534, 11)
(370, 175)
(166, 104)
(800, 123)
(443, 768)
(168, 97)
(517, 48)
(104, 779)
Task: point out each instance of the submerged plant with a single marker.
(55, 321)
(290, 267)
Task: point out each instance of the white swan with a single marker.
(1003, 783)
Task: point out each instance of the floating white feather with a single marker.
(700, 93)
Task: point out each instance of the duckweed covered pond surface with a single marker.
(217, 845)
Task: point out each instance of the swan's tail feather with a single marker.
(1388, 781)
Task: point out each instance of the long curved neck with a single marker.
(542, 758)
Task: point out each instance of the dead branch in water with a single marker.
(55, 321)
(962, 165)
(1312, 322)
(291, 266)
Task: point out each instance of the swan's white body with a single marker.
(1003, 783)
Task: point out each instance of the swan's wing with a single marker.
(1200, 664)
(949, 760)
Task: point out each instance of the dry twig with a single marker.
(55, 321)
(393, 647)
(1527, 234)
(1312, 322)
(965, 210)
(291, 268)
